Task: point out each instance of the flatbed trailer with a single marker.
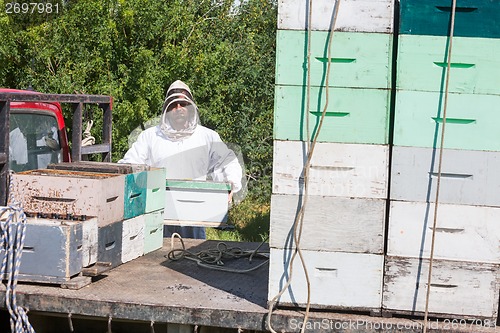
(154, 294)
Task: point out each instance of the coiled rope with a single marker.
(12, 235)
(438, 183)
(299, 218)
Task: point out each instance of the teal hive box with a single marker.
(352, 116)
(472, 121)
(196, 200)
(422, 64)
(473, 18)
(358, 60)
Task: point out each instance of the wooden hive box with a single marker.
(109, 250)
(153, 231)
(71, 192)
(191, 200)
(133, 238)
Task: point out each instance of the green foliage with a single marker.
(134, 49)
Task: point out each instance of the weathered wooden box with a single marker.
(71, 192)
(472, 120)
(468, 177)
(110, 243)
(329, 223)
(195, 200)
(358, 60)
(467, 233)
(475, 65)
(338, 280)
(133, 238)
(352, 116)
(342, 170)
(473, 18)
(153, 231)
(90, 234)
(353, 15)
(458, 288)
(52, 250)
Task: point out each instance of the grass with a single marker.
(249, 222)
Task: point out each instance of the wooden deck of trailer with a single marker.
(154, 294)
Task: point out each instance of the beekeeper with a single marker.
(185, 148)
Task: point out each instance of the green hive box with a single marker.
(352, 116)
(359, 60)
(196, 200)
(473, 18)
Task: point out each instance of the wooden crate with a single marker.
(342, 170)
(153, 231)
(468, 177)
(358, 60)
(338, 280)
(90, 234)
(133, 238)
(110, 244)
(473, 18)
(352, 116)
(155, 190)
(71, 192)
(329, 224)
(458, 288)
(466, 233)
(475, 65)
(135, 194)
(472, 120)
(195, 200)
(353, 15)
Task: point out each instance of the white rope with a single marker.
(88, 139)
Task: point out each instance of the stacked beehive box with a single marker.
(465, 279)
(119, 210)
(343, 226)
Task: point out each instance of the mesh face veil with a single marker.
(179, 118)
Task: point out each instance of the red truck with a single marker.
(33, 133)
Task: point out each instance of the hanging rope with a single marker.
(88, 139)
(13, 226)
(298, 223)
(438, 183)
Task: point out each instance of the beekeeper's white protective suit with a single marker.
(190, 152)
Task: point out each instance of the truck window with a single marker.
(33, 141)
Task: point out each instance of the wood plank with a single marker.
(352, 115)
(338, 280)
(471, 120)
(473, 18)
(337, 169)
(466, 233)
(475, 66)
(457, 287)
(468, 177)
(330, 223)
(353, 15)
(185, 223)
(358, 60)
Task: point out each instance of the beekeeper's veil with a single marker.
(192, 120)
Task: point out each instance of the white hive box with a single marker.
(153, 231)
(133, 238)
(71, 192)
(192, 200)
(353, 15)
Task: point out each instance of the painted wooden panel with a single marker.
(337, 169)
(468, 233)
(196, 201)
(457, 287)
(52, 249)
(133, 238)
(71, 192)
(110, 244)
(153, 231)
(422, 64)
(329, 223)
(473, 18)
(90, 232)
(338, 280)
(352, 116)
(468, 177)
(358, 60)
(353, 15)
(135, 194)
(155, 192)
(472, 121)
